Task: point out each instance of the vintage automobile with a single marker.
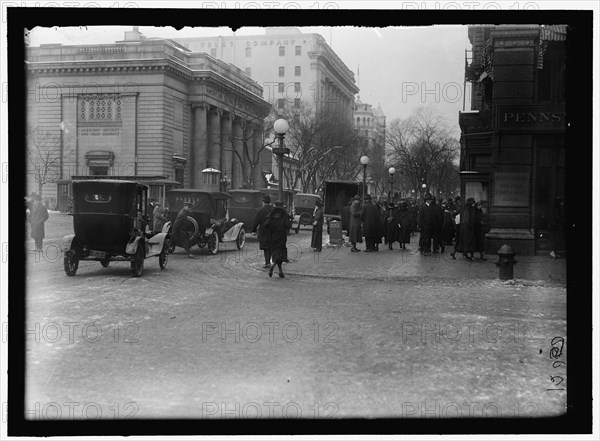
(304, 206)
(110, 223)
(243, 206)
(209, 222)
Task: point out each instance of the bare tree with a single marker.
(45, 155)
(422, 148)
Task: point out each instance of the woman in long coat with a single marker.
(276, 226)
(355, 224)
(405, 219)
(466, 242)
(392, 227)
(316, 241)
(37, 217)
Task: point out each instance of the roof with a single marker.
(108, 181)
(191, 191)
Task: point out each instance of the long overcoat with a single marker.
(259, 220)
(316, 240)
(405, 219)
(37, 217)
(275, 231)
(355, 222)
(371, 221)
(466, 242)
(392, 225)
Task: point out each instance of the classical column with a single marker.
(237, 178)
(226, 146)
(199, 145)
(249, 141)
(214, 160)
(259, 154)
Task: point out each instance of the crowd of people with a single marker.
(439, 222)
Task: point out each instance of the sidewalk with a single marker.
(339, 262)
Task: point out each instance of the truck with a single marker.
(336, 194)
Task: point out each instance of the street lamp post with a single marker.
(391, 171)
(364, 160)
(281, 127)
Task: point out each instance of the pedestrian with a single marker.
(558, 228)
(258, 228)
(345, 215)
(428, 218)
(405, 221)
(392, 226)
(160, 217)
(180, 235)
(447, 225)
(355, 224)
(371, 227)
(316, 241)
(37, 216)
(150, 211)
(438, 245)
(413, 211)
(478, 231)
(465, 242)
(275, 228)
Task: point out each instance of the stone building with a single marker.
(513, 138)
(140, 107)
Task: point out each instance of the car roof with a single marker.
(191, 191)
(108, 181)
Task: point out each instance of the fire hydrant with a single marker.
(506, 261)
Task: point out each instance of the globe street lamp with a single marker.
(281, 127)
(391, 171)
(364, 160)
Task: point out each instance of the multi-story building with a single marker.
(140, 107)
(513, 138)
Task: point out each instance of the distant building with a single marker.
(513, 138)
(139, 107)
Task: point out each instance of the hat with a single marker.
(367, 197)
(319, 203)
(266, 198)
(470, 201)
(357, 198)
(428, 196)
(276, 203)
(186, 203)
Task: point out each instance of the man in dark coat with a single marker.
(427, 221)
(276, 226)
(465, 241)
(413, 211)
(355, 233)
(392, 226)
(371, 224)
(179, 234)
(316, 241)
(405, 220)
(258, 228)
(37, 217)
(345, 215)
(438, 244)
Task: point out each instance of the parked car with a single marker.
(209, 222)
(304, 206)
(243, 206)
(110, 224)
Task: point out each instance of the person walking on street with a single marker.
(465, 242)
(371, 224)
(37, 216)
(258, 228)
(345, 215)
(447, 225)
(180, 235)
(355, 224)
(427, 221)
(276, 226)
(438, 245)
(316, 241)
(478, 231)
(405, 221)
(392, 226)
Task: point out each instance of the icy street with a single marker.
(385, 334)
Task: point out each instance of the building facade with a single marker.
(513, 138)
(140, 107)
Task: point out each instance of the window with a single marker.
(296, 87)
(179, 175)
(100, 108)
(281, 87)
(281, 51)
(297, 71)
(298, 50)
(213, 52)
(99, 170)
(281, 71)
(249, 71)
(280, 104)
(248, 52)
(297, 103)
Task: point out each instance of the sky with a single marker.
(400, 68)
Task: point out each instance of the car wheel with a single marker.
(105, 262)
(71, 263)
(241, 239)
(163, 257)
(213, 243)
(137, 261)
